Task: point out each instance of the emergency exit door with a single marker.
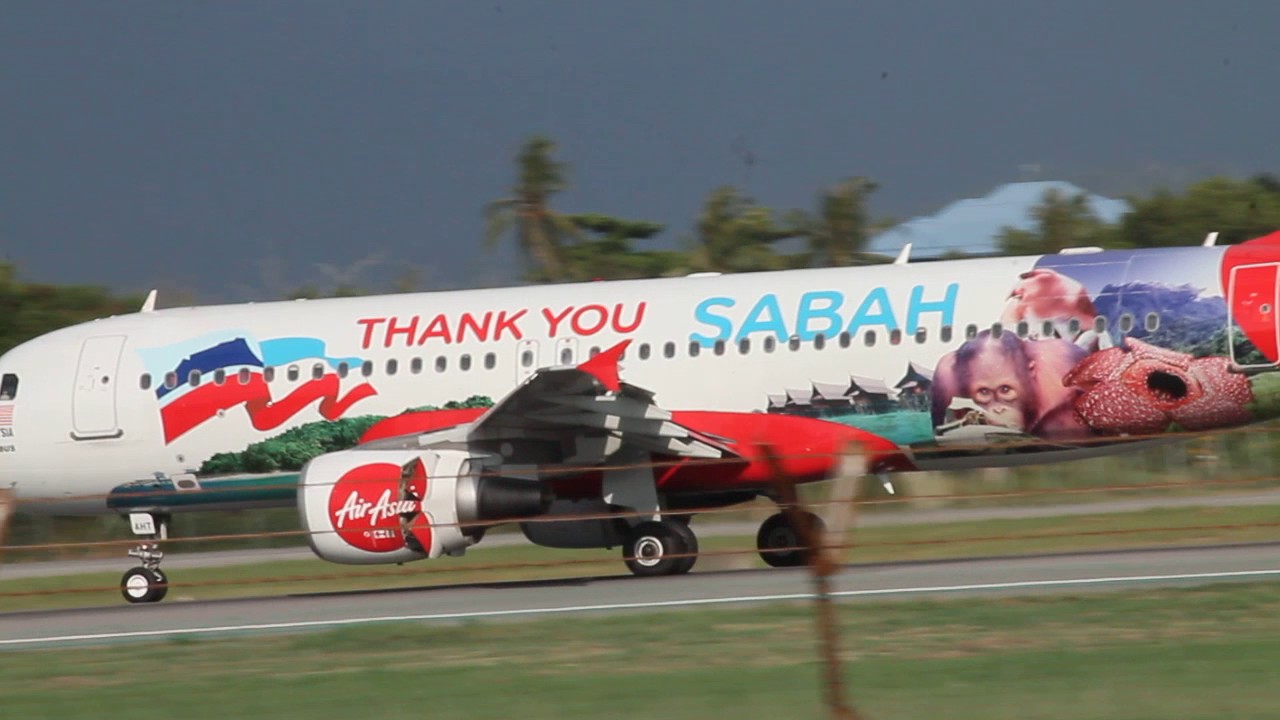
(93, 413)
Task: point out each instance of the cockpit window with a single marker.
(8, 387)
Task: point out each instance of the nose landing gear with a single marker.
(146, 583)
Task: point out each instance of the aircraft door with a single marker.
(93, 400)
(1253, 320)
(526, 359)
(566, 351)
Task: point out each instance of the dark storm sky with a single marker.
(235, 149)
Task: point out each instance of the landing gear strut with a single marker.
(146, 583)
(650, 546)
(779, 543)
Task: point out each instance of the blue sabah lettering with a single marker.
(723, 325)
(828, 312)
(917, 307)
(883, 315)
(817, 312)
(756, 321)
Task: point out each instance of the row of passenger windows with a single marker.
(768, 344)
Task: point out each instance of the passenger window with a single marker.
(193, 378)
(997, 330)
(644, 351)
(845, 339)
(945, 335)
(869, 339)
(744, 346)
(694, 349)
(819, 341)
(1047, 329)
(1152, 322)
(669, 350)
(6, 394)
(243, 376)
(770, 343)
(293, 373)
(566, 356)
(219, 376)
(526, 358)
(9, 386)
(343, 369)
(171, 380)
(1126, 323)
(442, 364)
(719, 347)
(317, 371)
(794, 343)
(490, 361)
(1100, 324)
(970, 332)
(464, 362)
(392, 366)
(366, 368)
(415, 365)
(895, 337)
(1073, 327)
(921, 335)
(593, 352)
(269, 374)
(1024, 328)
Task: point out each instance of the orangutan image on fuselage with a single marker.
(1016, 383)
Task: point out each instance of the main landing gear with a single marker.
(660, 547)
(779, 542)
(146, 583)
(669, 546)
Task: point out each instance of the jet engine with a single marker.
(385, 506)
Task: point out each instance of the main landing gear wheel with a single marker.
(777, 534)
(651, 544)
(144, 585)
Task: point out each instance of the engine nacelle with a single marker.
(581, 534)
(393, 506)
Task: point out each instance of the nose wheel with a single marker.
(146, 583)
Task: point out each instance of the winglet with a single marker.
(604, 366)
(1210, 240)
(149, 304)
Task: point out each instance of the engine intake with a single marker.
(385, 506)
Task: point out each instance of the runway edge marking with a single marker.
(340, 622)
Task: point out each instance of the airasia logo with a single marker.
(367, 503)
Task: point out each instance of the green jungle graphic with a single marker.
(291, 449)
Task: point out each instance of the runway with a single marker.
(1071, 573)
(704, 527)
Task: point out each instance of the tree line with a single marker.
(732, 233)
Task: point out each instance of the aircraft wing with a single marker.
(574, 416)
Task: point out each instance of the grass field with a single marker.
(1204, 653)
(905, 542)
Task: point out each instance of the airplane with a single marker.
(598, 415)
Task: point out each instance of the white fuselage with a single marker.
(83, 422)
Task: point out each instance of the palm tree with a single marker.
(736, 235)
(540, 230)
(839, 232)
